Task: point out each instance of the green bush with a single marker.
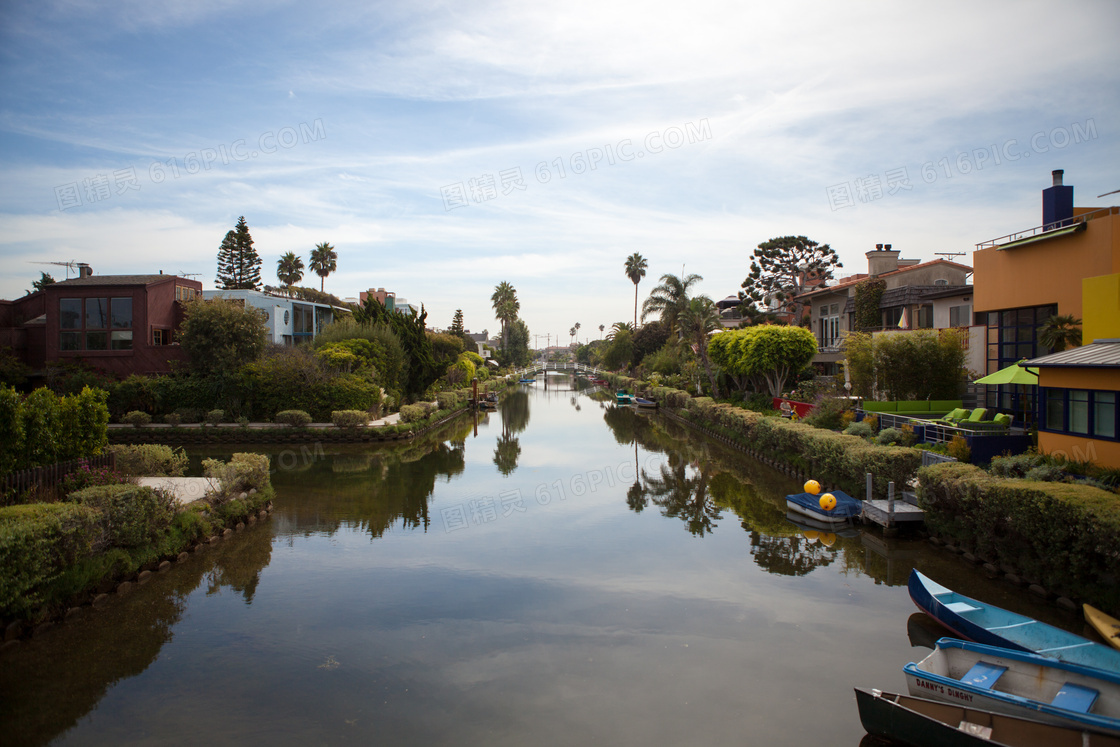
(43, 428)
(244, 472)
(863, 430)
(137, 418)
(173, 419)
(413, 413)
(889, 437)
(447, 400)
(294, 379)
(1017, 465)
(959, 449)
(131, 515)
(149, 460)
(828, 413)
(37, 542)
(1064, 536)
(294, 418)
(349, 418)
(214, 417)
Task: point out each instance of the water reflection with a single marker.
(515, 419)
(48, 684)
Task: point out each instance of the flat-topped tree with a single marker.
(784, 267)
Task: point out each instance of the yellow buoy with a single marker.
(828, 501)
(812, 487)
(812, 535)
(828, 539)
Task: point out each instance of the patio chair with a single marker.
(977, 415)
(953, 417)
(1000, 423)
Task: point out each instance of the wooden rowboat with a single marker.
(1019, 684)
(983, 623)
(920, 722)
(1106, 625)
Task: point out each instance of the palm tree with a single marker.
(696, 321)
(572, 332)
(323, 262)
(601, 328)
(289, 270)
(506, 306)
(636, 270)
(577, 327)
(619, 327)
(1059, 332)
(669, 298)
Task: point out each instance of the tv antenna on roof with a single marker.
(189, 274)
(81, 268)
(949, 255)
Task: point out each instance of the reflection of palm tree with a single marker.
(789, 556)
(636, 495)
(515, 412)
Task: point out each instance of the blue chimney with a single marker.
(1057, 204)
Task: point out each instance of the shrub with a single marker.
(44, 428)
(909, 438)
(847, 418)
(759, 402)
(1017, 465)
(149, 460)
(173, 419)
(889, 437)
(131, 515)
(215, 416)
(349, 418)
(1047, 473)
(36, 542)
(1064, 536)
(86, 476)
(959, 449)
(828, 414)
(863, 430)
(244, 472)
(413, 413)
(447, 400)
(294, 418)
(872, 422)
(137, 418)
(188, 414)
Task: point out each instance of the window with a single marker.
(959, 315)
(925, 316)
(1078, 411)
(1013, 334)
(185, 293)
(1055, 410)
(1104, 414)
(159, 337)
(829, 325)
(95, 323)
(1083, 412)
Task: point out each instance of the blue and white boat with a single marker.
(624, 398)
(1019, 684)
(847, 509)
(993, 626)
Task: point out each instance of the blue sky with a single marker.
(133, 135)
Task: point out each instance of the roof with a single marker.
(911, 294)
(117, 280)
(1103, 353)
(848, 283)
(942, 291)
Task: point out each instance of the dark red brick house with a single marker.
(123, 324)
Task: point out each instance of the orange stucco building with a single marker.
(1068, 265)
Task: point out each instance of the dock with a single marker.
(892, 511)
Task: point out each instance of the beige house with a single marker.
(917, 295)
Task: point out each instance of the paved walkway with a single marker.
(185, 489)
(387, 420)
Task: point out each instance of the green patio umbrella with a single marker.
(1013, 374)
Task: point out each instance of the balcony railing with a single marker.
(1039, 230)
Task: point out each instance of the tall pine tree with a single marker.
(239, 266)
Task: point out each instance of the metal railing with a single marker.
(1039, 230)
(51, 475)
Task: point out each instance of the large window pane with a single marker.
(1055, 409)
(121, 339)
(97, 313)
(70, 341)
(70, 313)
(121, 309)
(96, 340)
(1104, 414)
(1078, 411)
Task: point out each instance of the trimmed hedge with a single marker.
(244, 472)
(294, 418)
(37, 542)
(826, 455)
(1064, 536)
(413, 413)
(349, 418)
(149, 460)
(130, 515)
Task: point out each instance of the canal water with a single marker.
(559, 572)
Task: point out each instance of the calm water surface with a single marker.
(560, 572)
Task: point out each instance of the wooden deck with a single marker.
(905, 511)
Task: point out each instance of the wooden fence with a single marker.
(52, 474)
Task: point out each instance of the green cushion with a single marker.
(880, 406)
(977, 414)
(944, 405)
(958, 414)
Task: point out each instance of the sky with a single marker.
(443, 148)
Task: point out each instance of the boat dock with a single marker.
(892, 511)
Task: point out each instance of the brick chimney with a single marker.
(882, 260)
